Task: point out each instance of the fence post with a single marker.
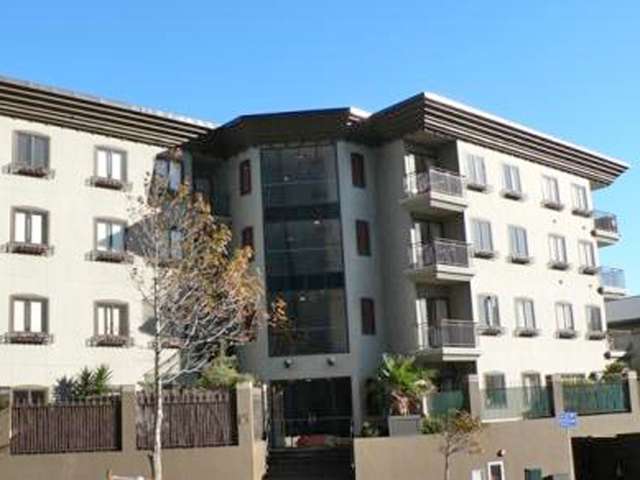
(244, 409)
(475, 398)
(634, 394)
(5, 424)
(128, 419)
(555, 382)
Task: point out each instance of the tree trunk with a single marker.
(157, 439)
(447, 473)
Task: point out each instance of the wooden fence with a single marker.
(192, 419)
(87, 426)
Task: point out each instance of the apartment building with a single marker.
(69, 163)
(427, 228)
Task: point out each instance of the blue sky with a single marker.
(569, 68)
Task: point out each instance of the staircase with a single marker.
(319, 463)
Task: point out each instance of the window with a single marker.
(557, 251)
(29, 396)
(30, 226)
(110, 236)
(31, 155)
(587, 257)
(564, 316)
(489, 310)
(362, 238)
(512, 186)
(482, 238)
(169, 171)
(594, 318)
(580, 200)
(476, 172)
(367, 309)
(525, 315)
(245, 177)
(519, 246)
(29, 319)
(495, 390)
(495, 470)
(357, 170)
(550, 192)
(175, 244)
(247, 240)
(111, 324)
(110, 167)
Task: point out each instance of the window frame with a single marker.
(110, 150)
(482, 298)
(565, 306)
(580, 193)
(368, 322)
(587, 267)
(508, 177)
(554, 241)
(16, 146)
(110, 221)
(30, 298)
(358, 170)
(31, 211)
(555, 202)
(476, 177)
(124, 316)
(494, 463)
(523, 327)
(244, 177)
(363, 238)
(588, 311)
(516, 256)
(247, 239)
(169, 161)
(479, 250)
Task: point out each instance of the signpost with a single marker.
(568, 420)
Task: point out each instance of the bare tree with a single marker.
(459, 432)
(202, 295)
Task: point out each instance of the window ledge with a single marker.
(559, 265)
(478, 187)
(110, 341)
(109, 183)
(553, 205)
(581, 212)
(527, 332)
(486, 254)
(110, 257)
(566, 333)
(28, 338)
(491, 330)
(168, 343)
(596, 335)
(29, 171)
(588, 270)
(520, 260)
(23, 248)
(513, 194)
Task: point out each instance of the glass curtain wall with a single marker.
(303, 245)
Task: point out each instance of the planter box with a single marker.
(404, 425)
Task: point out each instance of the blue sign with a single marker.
(568, 420)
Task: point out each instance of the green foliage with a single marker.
(614, 371)
(432, 424)
(370, 430)
(88, 383)
(404, 383)
(223, 372)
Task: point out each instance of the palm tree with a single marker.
(404, 383)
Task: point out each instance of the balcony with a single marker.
(612, 283)
(449, 340)
(435, 192)
(110, 340)
(442, 261)
(29, 338)
(620, 343)
(605, 229)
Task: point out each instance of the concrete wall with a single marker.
(70, 282)
(246, 461)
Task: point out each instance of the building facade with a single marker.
(428, 228)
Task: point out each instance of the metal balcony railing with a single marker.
(441, 251)
(605, 221)
(434, 179)
(612, 277)
(448, 333)
(514, 402)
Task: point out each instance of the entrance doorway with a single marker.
(313, 412)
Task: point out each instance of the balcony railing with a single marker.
(606, 221)
(448, 333)
(440, 251)
(516, 402)
(596, 398)
(612, 277)
(433, 180)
